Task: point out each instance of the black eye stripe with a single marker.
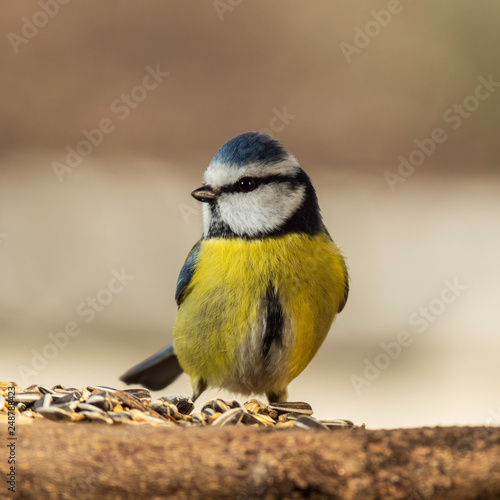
(235, 187)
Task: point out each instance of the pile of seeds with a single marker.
(135, 406)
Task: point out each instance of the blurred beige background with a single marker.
(349, 88)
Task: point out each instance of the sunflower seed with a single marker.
(103, 400)
(165, 408)
(139, 416)
(217, 405)
(27, 397)
(71, 406)
(208, 411)
(21, 407)
(141, 394)
(199, 418)
(286, 417)
(45, 390)
(60, 398)
(54, 413)
(92, 388)
(292, 406)
(307, 422)
(43, 402)
(96, 416)
(220, 406)
(120, 418)
(339, 423)
(82, 407)
(134, 406)
(230, 417)
(32, 388)
(184, 404)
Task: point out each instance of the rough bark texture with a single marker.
(78, 460)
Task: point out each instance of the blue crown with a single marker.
(250, 147)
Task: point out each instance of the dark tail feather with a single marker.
(156, 372)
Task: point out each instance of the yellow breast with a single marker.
(224, 304)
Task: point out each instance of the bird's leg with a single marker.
(277, 397)
(198, 387)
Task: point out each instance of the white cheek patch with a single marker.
(261, 211)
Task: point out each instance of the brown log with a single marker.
(89, 460)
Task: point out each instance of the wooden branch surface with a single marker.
(80, 460)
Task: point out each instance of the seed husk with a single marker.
(252, 407)
(249, 419)
(285, 425)
(134, 403)
(265, 419)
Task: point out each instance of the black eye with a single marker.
(247, 184)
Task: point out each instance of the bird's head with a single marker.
(254, 188)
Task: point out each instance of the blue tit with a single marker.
(258, 293)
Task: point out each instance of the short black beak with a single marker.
(205, 194)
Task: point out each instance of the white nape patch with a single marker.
(260, 211)
(222, 174)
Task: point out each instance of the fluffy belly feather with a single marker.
(220, 326)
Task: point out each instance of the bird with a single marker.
(257, 294)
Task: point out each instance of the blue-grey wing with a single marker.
(186, 274)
